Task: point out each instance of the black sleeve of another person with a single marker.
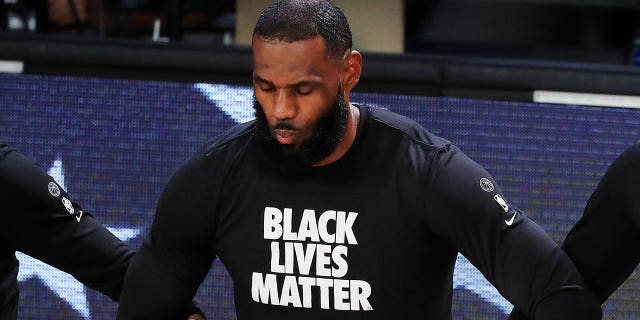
(605, 243)
(36, 222)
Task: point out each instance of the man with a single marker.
(322, 209)
(604, 244)
(41, 220)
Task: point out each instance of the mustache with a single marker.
(284, 125)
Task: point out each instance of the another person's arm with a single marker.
(604, 243)
(45, 223)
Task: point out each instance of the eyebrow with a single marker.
(258, 79)
(293, 85)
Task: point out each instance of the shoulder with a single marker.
(26, 183)
(444, 162)
(631, 156)
(436, 160)
(224, 146)
(406, 138)
(236, 136)
(16, 170)
(622, 177)
(213, 160)
(404, 126)
(626, 166)
(4, 150)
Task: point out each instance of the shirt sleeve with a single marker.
(43, 222)
(177, 254)
(604, 243)
(467, 209)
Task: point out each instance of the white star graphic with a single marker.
(235, 101)
(56, 171)
(62, 284)
(465, 275)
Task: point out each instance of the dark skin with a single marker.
(296, 83)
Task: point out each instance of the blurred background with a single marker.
(601, 31)
(501, 49)
(110, 96)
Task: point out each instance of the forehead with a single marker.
(275, 59)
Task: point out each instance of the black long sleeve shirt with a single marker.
(40, 219)
(605, 243)
(373, 235)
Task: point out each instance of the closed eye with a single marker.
(265, 88)
(303, 89)
(262, 84)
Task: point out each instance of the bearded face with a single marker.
(326, 134)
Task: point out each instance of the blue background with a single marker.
(121, 140)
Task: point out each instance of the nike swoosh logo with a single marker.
(510, 221)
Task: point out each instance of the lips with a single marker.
(285, 136)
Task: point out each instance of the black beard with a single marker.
(327, 134)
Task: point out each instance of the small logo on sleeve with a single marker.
(486, 185)
(68, 205)
(501, 202)
(53, 189)
(510, 221)
(505, 207)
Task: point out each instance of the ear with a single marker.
(352, 70)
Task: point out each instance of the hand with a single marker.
(196, 317)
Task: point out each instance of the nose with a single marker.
(284, 105)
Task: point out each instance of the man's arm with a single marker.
(43, 222)
(526, 266)
(174, 259)
(604, 243)
(59, 233)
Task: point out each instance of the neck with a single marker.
(353, 118)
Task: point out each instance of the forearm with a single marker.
(571, 303)
(555, 289)
(151, 291)
(549, 285)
